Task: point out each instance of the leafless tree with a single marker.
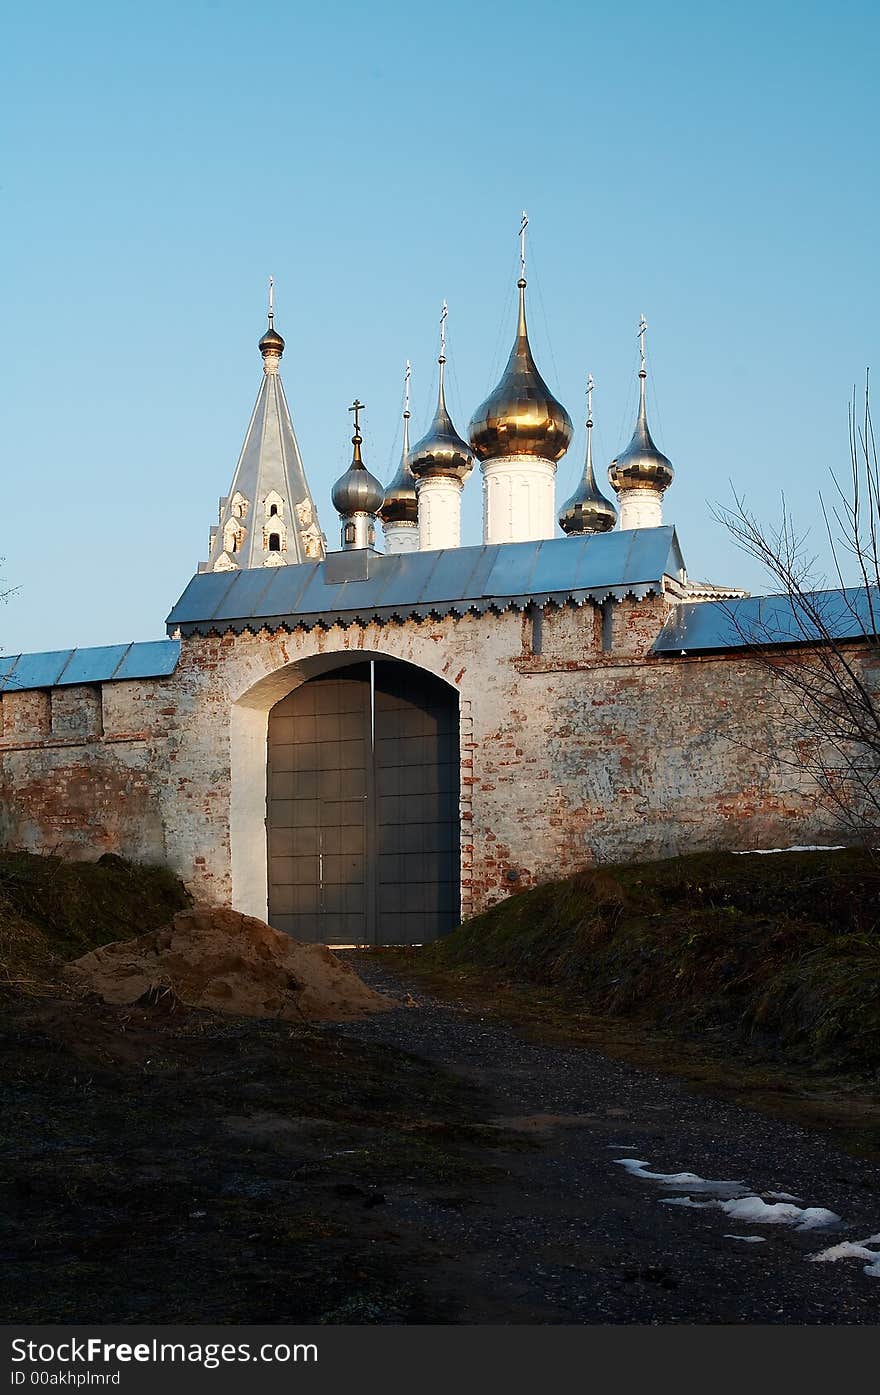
(828, 685)
(5, 592)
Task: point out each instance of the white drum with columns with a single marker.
(439, 512)
(640, 508)
(519, 499)
(401, 537)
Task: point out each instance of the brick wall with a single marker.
(576, 747)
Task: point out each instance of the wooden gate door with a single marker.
(362, 807)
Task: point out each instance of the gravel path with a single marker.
(568, 1236)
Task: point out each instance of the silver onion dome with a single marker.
(641, 465)
(357, 491)
(357, 495)
(441, 453)
(587, 511)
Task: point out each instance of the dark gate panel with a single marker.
(417, 813)
(318, 775)
(362, 807)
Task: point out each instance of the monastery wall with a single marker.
(79, 769)
(576, 747)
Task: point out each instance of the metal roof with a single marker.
(453, 581)
(703, 626)
(111, 664)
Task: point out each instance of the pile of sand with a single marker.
(228, 962)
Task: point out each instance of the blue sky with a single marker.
(713, 166)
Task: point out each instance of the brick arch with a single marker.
(249, 721)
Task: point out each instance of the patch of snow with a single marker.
(685, 1201)
(748, 1239)
(752, 1208)
(687, 1181)
(853, 1249)
(782, 1196)
(798, 847)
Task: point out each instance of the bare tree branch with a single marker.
(827, 684)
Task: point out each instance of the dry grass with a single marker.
(779, 955)
(52, 911)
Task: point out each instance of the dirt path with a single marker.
(569, 1236)
(160, 1164)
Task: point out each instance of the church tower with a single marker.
(268, 519)
(400, 509)
(518, 435)
(587, 511)
(641, 474)
(440, 463)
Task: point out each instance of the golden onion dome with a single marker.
(271, 342)
(521, 417)
(400, 504)
(587, 511)
(441, 453)
(641, 465)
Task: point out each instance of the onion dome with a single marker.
(271, 342)
(400, 504)
(588, 511)
(521, 417)
(641, 465)
(357, 491)
(441, 453)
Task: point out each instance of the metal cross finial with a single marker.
(271, 301)
(522, 243)
(643, 325)
(357, 407)
(406, 377)
(443, 313)
(589, 399)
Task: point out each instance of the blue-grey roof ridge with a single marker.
(759, 621)
(493, 576)
(113, 663)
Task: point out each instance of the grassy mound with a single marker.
(52, 911)
(780, 953)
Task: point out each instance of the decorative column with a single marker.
(519, 499)
(439, 501)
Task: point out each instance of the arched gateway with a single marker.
(363, 807)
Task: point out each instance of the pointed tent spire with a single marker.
(269, 516)
(521, 416)
(441, 451)
(641, 465)
(400, 504)
(588, 511)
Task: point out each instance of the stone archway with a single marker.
(346, 775)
